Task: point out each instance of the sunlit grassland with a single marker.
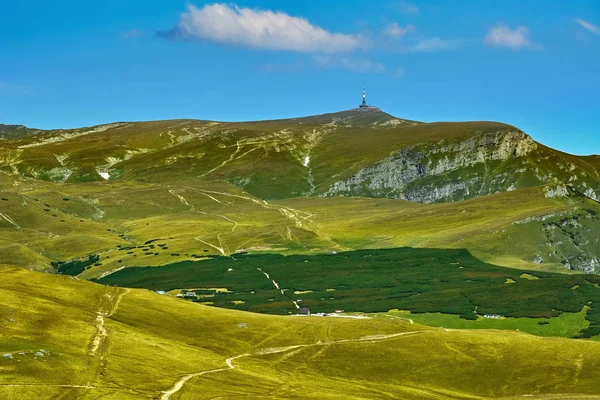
(208, 188)
(152, 341)
(494, 228)
(60, 222)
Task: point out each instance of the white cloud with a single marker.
(407, 8)
(262, 29)
(589, 26)
(357, 65)
(435, 44)
(502, 36)
(395, 30)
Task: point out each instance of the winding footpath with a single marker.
(107, 307)
(166, 395)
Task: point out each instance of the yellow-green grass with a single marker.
(150, 342)
(59, 222)
(266, 158)
(488, 226)
(65, 221)
(270, 154)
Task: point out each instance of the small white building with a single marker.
(492, 316)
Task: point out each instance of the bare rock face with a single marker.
(571, 238)
(552, 192)
(442, 171)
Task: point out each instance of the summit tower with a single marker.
(364, 99)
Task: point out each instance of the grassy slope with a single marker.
(152, 341)
(156, 164)
(16, 131)
(65, 221)
(484, 225)
(265, 158)
(269, 154)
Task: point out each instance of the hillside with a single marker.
(340, 181)
(65, 338)
(16, 131)
(399, 230)
(358, 153)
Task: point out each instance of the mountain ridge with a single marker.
(362, 154)
(354, 152)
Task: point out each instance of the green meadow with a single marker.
(565, 325)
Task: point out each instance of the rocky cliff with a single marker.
(458, 169)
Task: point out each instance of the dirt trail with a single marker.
(298, 217)
(301, 219)
(179, 384)
(278, 288)
(230, 159)
(192, 208)
(108, 305)
(9, 220)
(181, 198)
(166, 395)
(219, 249)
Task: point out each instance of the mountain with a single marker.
(484, 186)
(16, 131)
(353, 153)
(178, 259)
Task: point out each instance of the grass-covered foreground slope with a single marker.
(418, 280)
(71, 339)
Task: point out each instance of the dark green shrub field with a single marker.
(419, 280)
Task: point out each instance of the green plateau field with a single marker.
(455, 261)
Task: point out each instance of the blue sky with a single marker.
(533, 64)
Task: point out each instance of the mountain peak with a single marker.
(15, 131)
(361, 116)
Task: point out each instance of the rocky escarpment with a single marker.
(458, 169)
(571, 238)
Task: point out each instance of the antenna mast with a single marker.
(364, 98)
